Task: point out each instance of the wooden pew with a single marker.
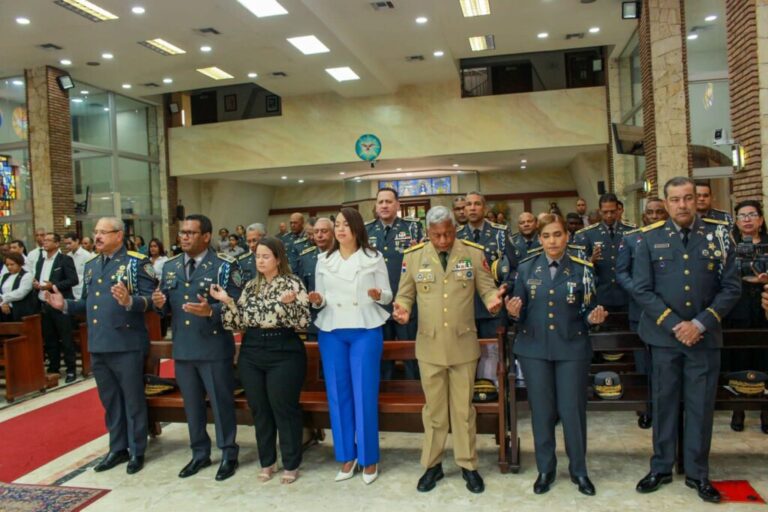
(400, 401)
(22, 357)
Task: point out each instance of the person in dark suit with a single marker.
(56, 269)
(686, 281)
(203, 350)
(117, 291)
(553, 301)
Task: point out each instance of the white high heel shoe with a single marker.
(341, 475)
(370, 478)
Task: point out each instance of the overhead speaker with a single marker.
(601, 188)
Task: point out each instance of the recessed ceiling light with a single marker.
(711, 17)
(693, 37)
(106, 109)
(65, 62)
(422, 20)
(252, 75)
(471, 8)
(308, 45)
(283, 177)
(22, 20)
(480, 43)
(205, 49)
(162, 46)
(342, 173)
(18, 82)
(77, 100)
(342, 74)
(522, 166)
(107, 56)
(594, 30)
(87, 9)
(439, 53)
(301, 181)
(84, 93)
(127, 86)
(138, 10)
(542, 35)
(523, 161)
(215, 73)
(455, 165)
(263, 8)
(167, 80)
(399, 169)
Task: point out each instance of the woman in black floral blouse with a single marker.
(273, 360)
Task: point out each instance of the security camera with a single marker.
(720, 137)
(373, 164)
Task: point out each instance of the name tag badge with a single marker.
(661, 246)
(534, 282)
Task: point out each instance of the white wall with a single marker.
(227, 202)
(586, 170)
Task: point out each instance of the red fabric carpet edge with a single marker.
(40, 436)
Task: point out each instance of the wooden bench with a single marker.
(22, 357)
(400, 401)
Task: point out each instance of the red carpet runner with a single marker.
(37, 437)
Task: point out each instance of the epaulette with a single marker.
(243, 256)
(308, 250)
(498, 226)
(529, 257)
(473, 244)
(655, 225)
(535, 249)
(174, 257)
(515, 235)
(578, 247)
(720, 211)
(632, 232)
(716, 221)
(415, 247)
(137, 255)
(300, 240)
(410, 219)
(630, 224)
(579, 260)
(225, 257)
(591, 226)
(96, 255)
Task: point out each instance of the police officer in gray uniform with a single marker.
(247, 261)
(117, 290)
(601, 242)
(307, 263)
(391, 235)
(554, 303)
(203, 350)
(686, 281)
(526, 239)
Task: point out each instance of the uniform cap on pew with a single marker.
(748, 382)
(607, 386)
(612, 356)
(154, 385)
(485, 391)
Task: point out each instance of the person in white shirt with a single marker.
(17, 246)
(34, 254)
(157, 256)
(79, 256)
(351, 286)
(15, 288)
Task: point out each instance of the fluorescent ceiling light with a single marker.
(522, 166)
(693, 37)
(480, 43)
(167, 80)
(711, 17)
(65, 62)
(22, 20)
(342, 74)
(107, 56)
(523, 161)
(162, 46)
(594, 30)
(439, 53)
(215, 73)
(252, 75)
(471, 8)
(18, 82)
(127, 86)
(301, 181)
(342, 173)
(308, 45)
(138, 10)
(422, 20)
(263, 8)
(542, 35)
(455, 165)
(283, 177)
(87, 9)
(77, 100)
(84, 93)
(205, 49)
(106, 109)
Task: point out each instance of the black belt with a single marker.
(259, 333)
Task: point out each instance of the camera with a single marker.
(746, 250)
(721, 137)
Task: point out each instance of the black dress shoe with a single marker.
(737, 421)
(135, 464)
(542, 483)
(584, 484)
(645, 421)
(111, 460)
(430, 477)
(704, 488)
(194, 466)
(652, 481)
(70, 378)
(226, 469)
(474, 480)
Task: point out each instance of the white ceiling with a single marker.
(374, 44)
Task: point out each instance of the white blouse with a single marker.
(344, 286)
(9, 296)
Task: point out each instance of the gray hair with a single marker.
(438, 215)
(257, 226)
(679, 181)
(324, 219)
(116, 223)
(476, 193)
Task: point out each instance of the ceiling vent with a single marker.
(414, 58)
(575, 35)
(382, 6)
(208, 31)
(279, 74)
(150, 84)
(50, 46)
(93, 63)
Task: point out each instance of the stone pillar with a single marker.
(665, 91)
(50, 149)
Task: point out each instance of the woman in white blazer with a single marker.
(351, 285)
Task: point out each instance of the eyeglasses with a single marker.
(184, 234)
(98, 232)
(748, 216)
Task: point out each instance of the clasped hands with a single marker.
(55, 299)
(316, 298)
(687, 333)
(402, 315)
(515, 304)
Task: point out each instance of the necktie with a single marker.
(553, 269)
(610, 232)
(476, 236)
(528, 243)
(387, 229)
(685, 232)
(444, 259)
(104, 261)
(191, 264)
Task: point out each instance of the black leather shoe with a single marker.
(226, 469)
(194, 466)
(111, 460)
(430, 477)
(652, 481)
(584, 484)
(70, 378)
(737, 421)
(542, 483)
(704, 489)
(645, 421)
(474, 480)
(135, 464)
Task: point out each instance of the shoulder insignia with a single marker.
(96, 255)
(579, 247)
(410, 219)
(719, 211)
(498, 226)
(655, 225)
(579, 260)
(308, 250)
(225, 257)
(630, 224)
(415, 247)
(591, 226)
(300, 240)
(632, 232)
(244, 256)
(473, 244)
(515, 235)
(528, 258)
(174, 257)
(137, 255)
(715, 221)
(535, 250)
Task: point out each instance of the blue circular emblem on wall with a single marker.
(368, 147)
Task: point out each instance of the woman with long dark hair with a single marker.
(351, 286)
